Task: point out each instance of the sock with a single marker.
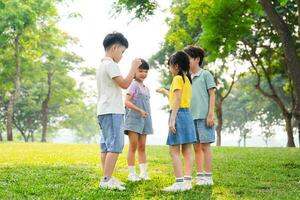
(131, 169)
(208, 174)
(106, 179)
(187, 178)
(143, 168)
(201, 174)
(179, 180)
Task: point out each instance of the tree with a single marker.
(289, 47)
(17, 19)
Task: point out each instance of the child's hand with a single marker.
(210, 121)
(136, 63)
(143, 114)
(161, 90)
(172, 126)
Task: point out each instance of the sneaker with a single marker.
(118, 181)
(145, 176)
(204, 181)
(188, 185)
(133, 177)
(111, 184)
(177, 186)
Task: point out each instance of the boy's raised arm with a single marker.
(124, 83)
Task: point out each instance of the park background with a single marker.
(48, 56)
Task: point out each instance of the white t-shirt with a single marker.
(109, 93)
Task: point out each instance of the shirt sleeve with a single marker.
(210, 82)
(113, 70)
(177, 83)
(132, 90)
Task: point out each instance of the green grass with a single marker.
(52, 171)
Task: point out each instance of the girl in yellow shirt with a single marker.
(181, 127)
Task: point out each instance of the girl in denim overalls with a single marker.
(138, 123)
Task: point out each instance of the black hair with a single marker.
(195, 52)
(144, 65)
(182, 60)
(114, 38)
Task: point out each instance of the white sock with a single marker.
(131, 169)
(179, 180)
(143, 168)
(208, 174)
(187, 178)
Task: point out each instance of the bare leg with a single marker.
(175, 155)
(103, 157)
(188, 161)
(198, 157)
(207, 157)
(142, 149)
(133, 142)
(110, 163)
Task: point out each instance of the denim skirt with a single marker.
(185, 129)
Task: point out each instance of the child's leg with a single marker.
(188, 160)
(198, 158)
(103, 157)
(142, 149)
(175, 155)
(110, 163)
(207, 157)
(133, 142)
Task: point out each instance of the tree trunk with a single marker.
(289, 130)
(32, 136)
(45, 110)
(220, 122)
(299, 134)
(15, 94)
(291, 57)
(245, 138)
(1, 138)
(9, 118)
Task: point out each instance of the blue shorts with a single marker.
(185, 129)
(112, 132)
(205, 135)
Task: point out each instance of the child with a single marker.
(138, 123)
(182, 131)
(110, 108)
(202, 108)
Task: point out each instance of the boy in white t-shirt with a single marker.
(110, 108)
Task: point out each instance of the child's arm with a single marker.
(125, 82)
(129, 104)
(210, 115)
(177, 99)
(163, 91)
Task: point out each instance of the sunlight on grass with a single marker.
(56, 171)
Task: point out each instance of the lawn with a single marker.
(55, 171)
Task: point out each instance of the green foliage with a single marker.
(73, 172)
(142, 8)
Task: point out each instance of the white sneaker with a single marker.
(133, 177)
(118, 181)
(204, 181)
(145, 176)
(177, 186)
(188, 185)
(111, 184)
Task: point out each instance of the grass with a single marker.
(53, 171)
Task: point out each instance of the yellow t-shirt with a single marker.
(186, 91)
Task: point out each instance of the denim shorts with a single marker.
(185, 129)
(205, 134)
(112, 132)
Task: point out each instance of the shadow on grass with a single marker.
(80, 182)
